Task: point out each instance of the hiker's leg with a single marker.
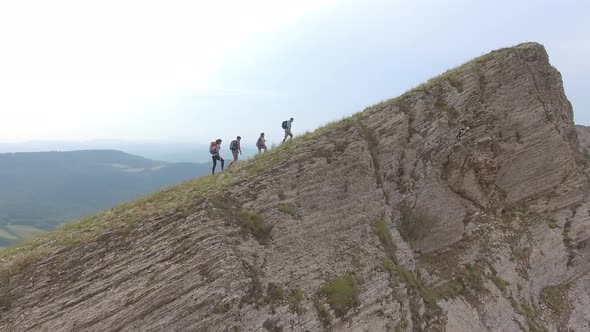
(222, 161)
(259, 149)
(286, 134)
(291, 135)
(214, 165)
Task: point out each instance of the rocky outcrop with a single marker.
(583, 137)
(461, 205)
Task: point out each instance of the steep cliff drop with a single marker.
(462, 205)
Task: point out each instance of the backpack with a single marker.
(213, 148)
(233, 145)
(284, 124)
(259, 142)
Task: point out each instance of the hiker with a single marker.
(234, 146)
(215, 149)
(287, 126)
(261, 143)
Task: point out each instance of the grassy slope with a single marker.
(132, 213)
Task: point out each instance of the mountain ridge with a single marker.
(460, 205)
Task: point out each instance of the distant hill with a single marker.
(157, 150)
(41, 190)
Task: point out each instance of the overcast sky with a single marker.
(199, 70)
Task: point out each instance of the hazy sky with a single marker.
(198, 70)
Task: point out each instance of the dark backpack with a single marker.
(233, 145)
(213, 148)
(284, 124)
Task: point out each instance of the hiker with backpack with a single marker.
(235, 148)
(287, 126)
(215, 149)
(261, 143)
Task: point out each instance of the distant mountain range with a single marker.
(156, 150)
(41, 190)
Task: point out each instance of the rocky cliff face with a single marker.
(583, 137)
(462, 205)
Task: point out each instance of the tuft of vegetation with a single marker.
(555, 298)
(263, 162)
(323, 314)
(373, 144)
(468, 279)
(5, 288)
(275, 294)
(568, 242)
(254, 223)
(567, 227)
(499, 282)
(221, 202)
(440, 103)
(221, 308)
(481, 79)
(384, 234)
(390, 267)
(281, 195)
(429, 295)
(456, 83)
(530, 313)
(272, 325)
(287, 209)
(255, 289)
(342, 294)
(472, 277)
(295, 299)
(415, 223)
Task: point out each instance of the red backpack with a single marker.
(213, 148)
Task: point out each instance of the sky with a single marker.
(194, 71)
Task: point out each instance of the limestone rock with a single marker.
(583, 137)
